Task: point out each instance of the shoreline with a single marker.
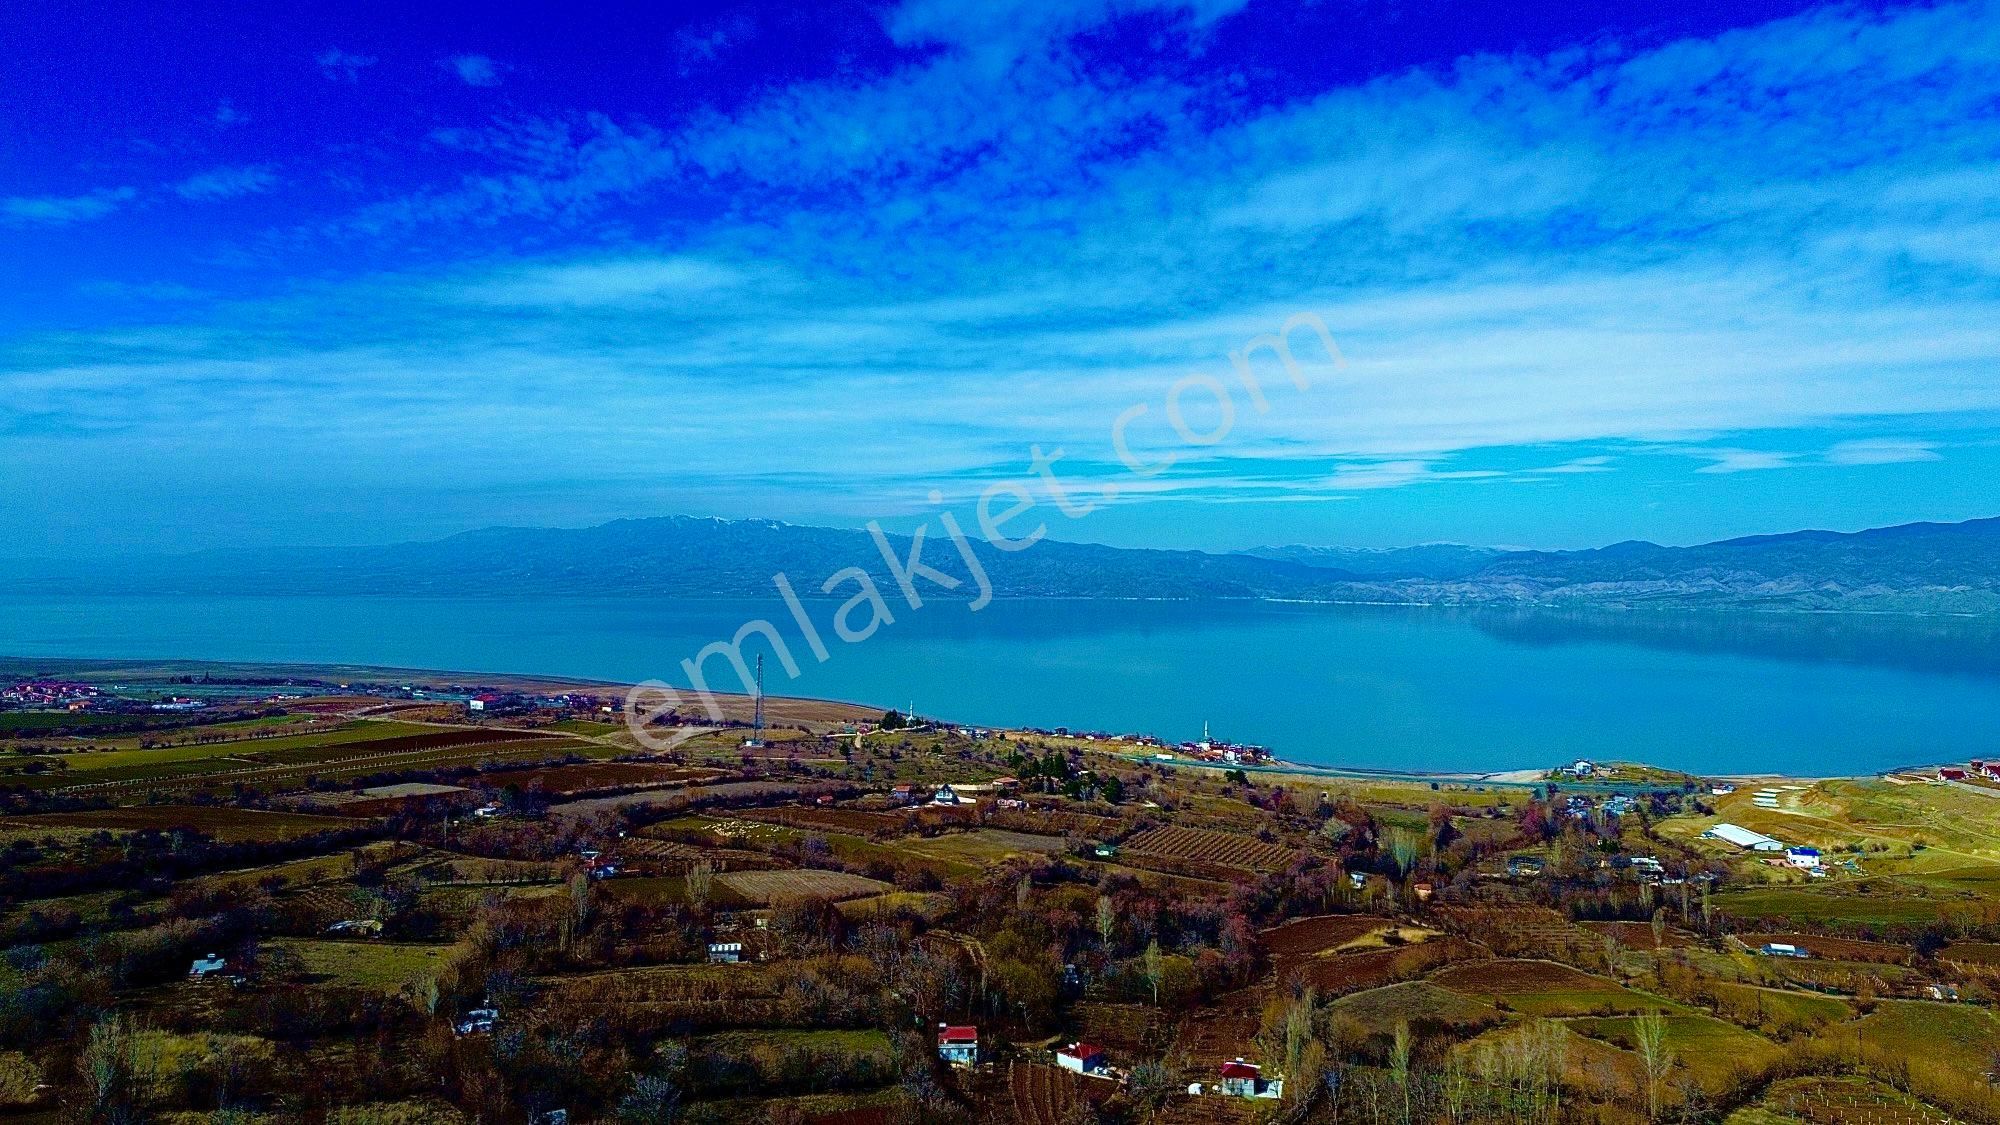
(429, 678)
(1691, 608)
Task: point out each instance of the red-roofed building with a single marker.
(1246, 1080)
(1083, 1058)
(1951, 773)
(958, 1045)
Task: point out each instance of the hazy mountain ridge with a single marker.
(1908, 568)
(1429, 560)
(679, 556)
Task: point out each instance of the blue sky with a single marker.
(396, 272)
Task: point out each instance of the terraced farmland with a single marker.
(1202, 848)
(1042, 1095)
(767, 887)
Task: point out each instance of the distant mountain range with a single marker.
(1923, 567)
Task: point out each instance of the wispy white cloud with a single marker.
(337, 65)
(1743, 460)
(910, 276)
(1000, 31)
(1399, 474)
(703, 43)
(1597, 464)
(612, 282)
(473, 70)
(1882, 451)
(62, 210)
(227, 183)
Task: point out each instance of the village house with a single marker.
(1246, 1080)
(1806, 858)
(212, 965)
(946, 795)
(725, 952)
(1951, 773)
(363, 927)
(478, 1021)
(903, 795)
(958, 1045)
(1782, 949)
(1083, 1058)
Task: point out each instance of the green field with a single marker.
(1544, 988)
(364, 964)
(1958, 1036)
(1828, 903)
(1378, 1010)
(1711, 1050)
(1782, 1006)
(981, 847)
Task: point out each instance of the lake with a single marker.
(1388, 687)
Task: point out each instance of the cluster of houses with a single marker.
(514, 703)
(1215, 750)
(1978, 768)
(944, 796)
(958, 1045)
(948, 796)
(1579, 808)
(49, 693)
(1644, 868)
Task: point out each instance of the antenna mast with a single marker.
(757, 735)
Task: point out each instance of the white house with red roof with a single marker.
(958, 1044)
(1246, 1080)
(1083, 1058)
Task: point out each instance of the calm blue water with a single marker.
(1396, 688)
